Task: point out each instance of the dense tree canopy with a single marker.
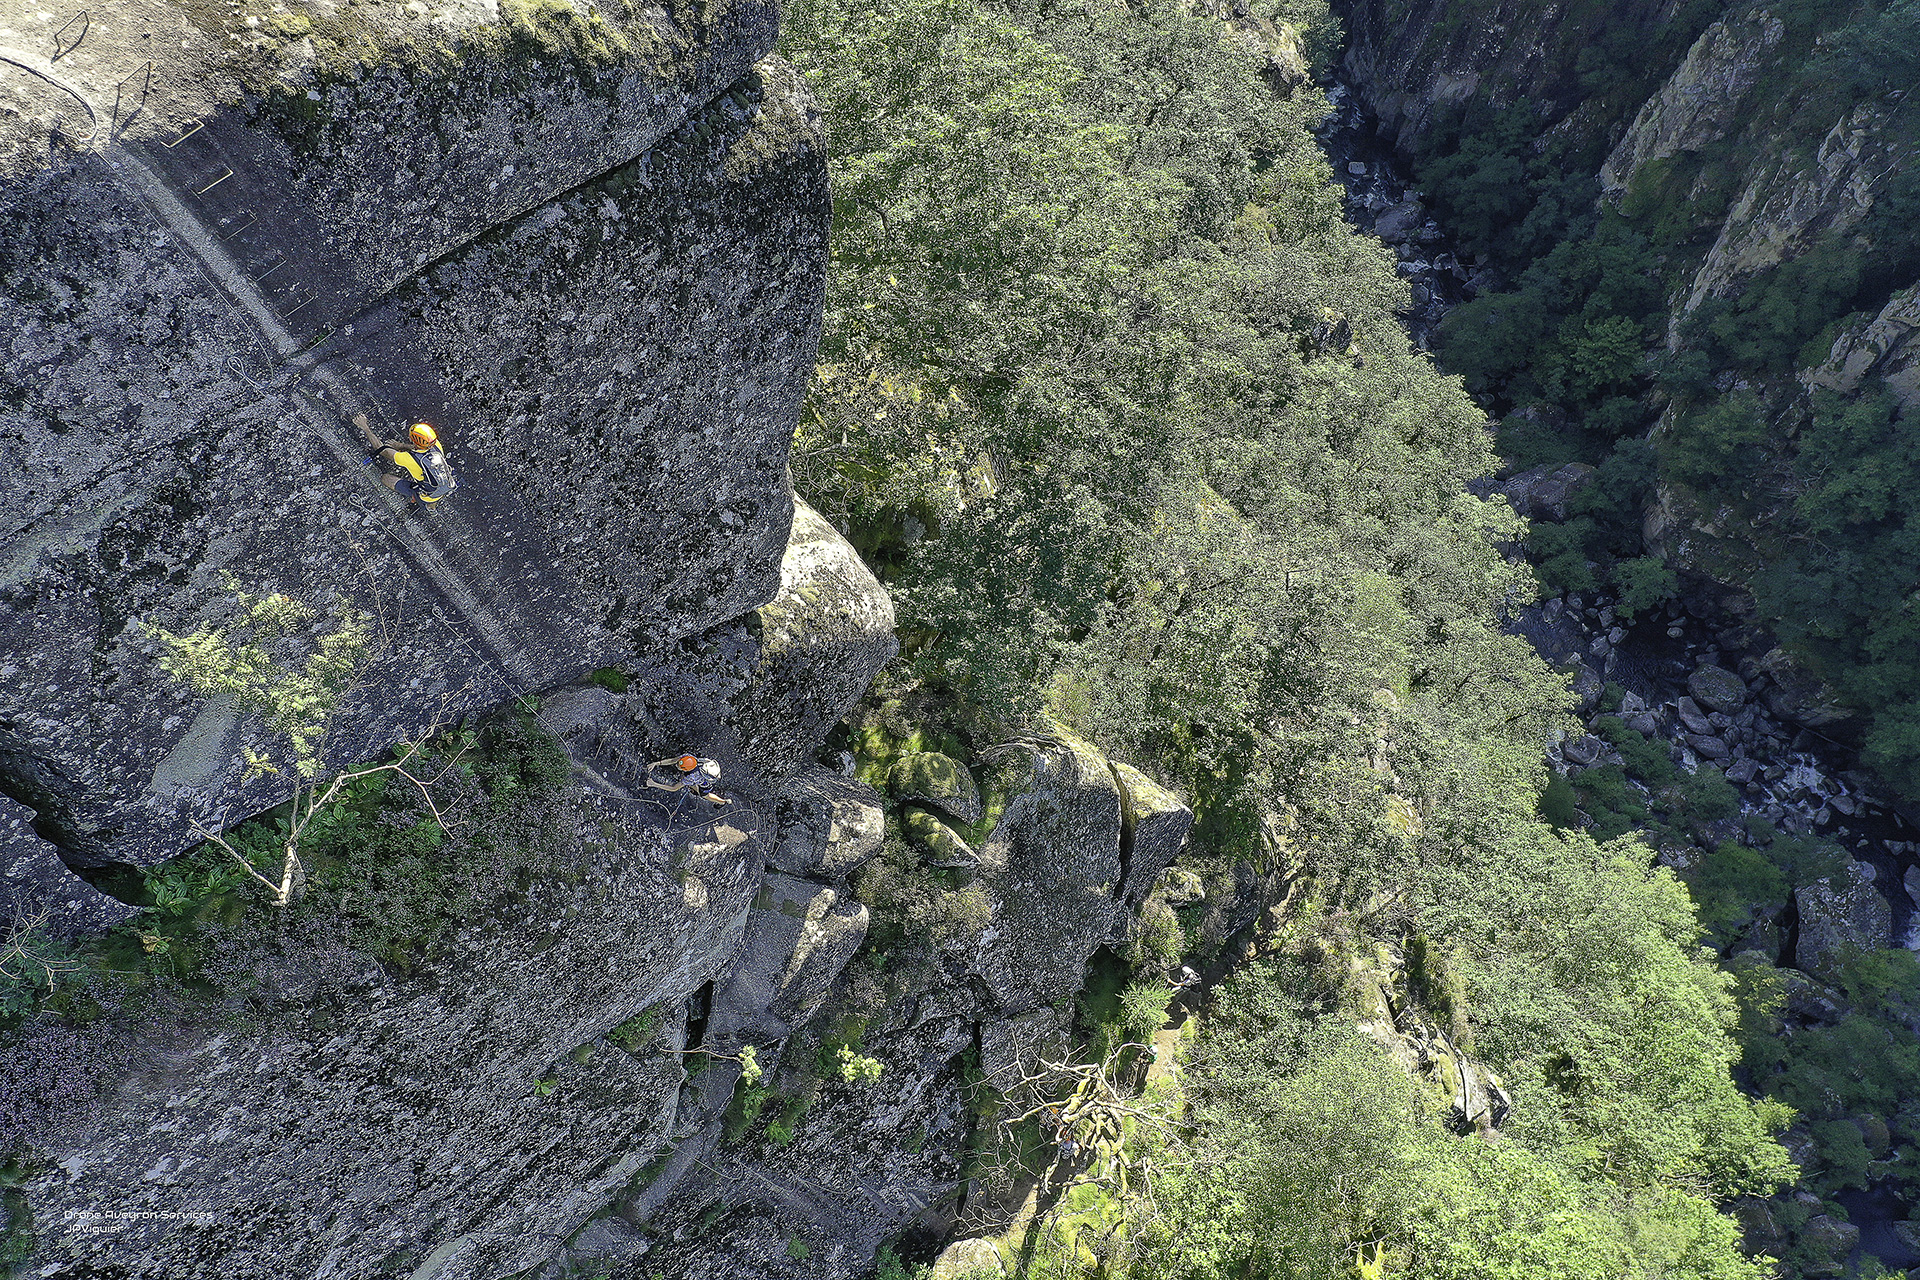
(1124, 412)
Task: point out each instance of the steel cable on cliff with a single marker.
(93, 117)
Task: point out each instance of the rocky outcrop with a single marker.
(1797, 695)
(1154, 827)
(1419, 63)
(817, 1198)
(1792, 199)
(1839, 916)
(816, 647)
(590, 251)
(799, 938)
(1275, 45)
(1882, 348)
(563, 1059)
(1700, 103)
(448, 1122)
(1542, 493)
(1052, 866)
(35, 885)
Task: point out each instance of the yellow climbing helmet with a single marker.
(423, 436)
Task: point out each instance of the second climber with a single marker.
(690, 776)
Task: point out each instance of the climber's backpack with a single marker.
(439, 476)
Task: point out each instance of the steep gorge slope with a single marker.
(1740, 302)
(1192, 496)
(1706, 291)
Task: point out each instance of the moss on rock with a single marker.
(936, 780)
(941, 843)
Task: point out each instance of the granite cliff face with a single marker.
(1770, 176)
(589, 249)
(1771, 180)
(595, 263)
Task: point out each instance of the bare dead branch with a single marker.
(214, 837)
(17, 950)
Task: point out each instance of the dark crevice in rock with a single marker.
(1790, 933)
(1126, 830)
(120, 881)
(17, 783)
(699, 1013)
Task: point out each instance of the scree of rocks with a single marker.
(1380, 200)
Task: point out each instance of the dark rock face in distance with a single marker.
(597, 273)
(1416, 64)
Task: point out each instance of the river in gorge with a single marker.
(1693, 675)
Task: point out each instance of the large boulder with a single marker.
(1154, 826)
(1541, 493)
(1692, 716)
(941, 844)
(1397, 223)
(1717, 689)
(819, 644)
(1051, 865)
(1841, 915)
(938, 781)
(1798, 695)
(799, 936)
(595, 266)
(829, 825)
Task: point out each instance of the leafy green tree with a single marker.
(1844, 589)
(249, 665)
(1125, 414)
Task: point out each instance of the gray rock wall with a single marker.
(596, 272)
(452, 1119)
(1414, 62)
(864, 1161)
(342, 1113)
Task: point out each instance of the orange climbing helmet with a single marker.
(688, 764)
(423, 436)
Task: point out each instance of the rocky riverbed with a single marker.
(1717, 696)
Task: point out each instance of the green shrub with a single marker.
(1646, 758)
(1158, 938)
(1610, 800)
(1644, 582)
(1559, 553)
(1732, 885)
(744, 1110)
(1558, 801)
(1805, 859)
(887, 1266)
(637, 1032)
(1707, 796)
